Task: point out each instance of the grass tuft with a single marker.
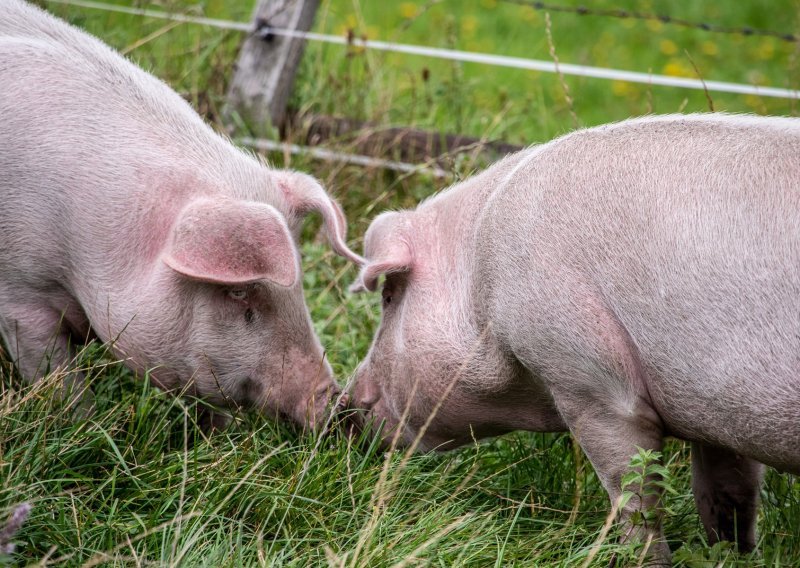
(137, 483)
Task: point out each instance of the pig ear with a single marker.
(304, 195)
(387, 248)
(233, 242)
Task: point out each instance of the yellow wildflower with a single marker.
(620, 88)
(408, 9)
(753, 101)
(529, 14)
(709, 48)
(469, 24)
(668, 47)
(654, 25)
(676, 68)
(766, 50)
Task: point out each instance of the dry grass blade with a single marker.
(612, 515)
(552, 49)
(415, 554)
(700, 76)
(150, 37)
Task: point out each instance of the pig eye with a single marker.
(249, 315)
(387, 296)
(237, 294)
(391, 291)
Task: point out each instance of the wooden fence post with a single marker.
(265, 70)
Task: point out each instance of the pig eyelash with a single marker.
(237, 294)
(240, 295)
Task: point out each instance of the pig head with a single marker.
(226, 290)
(627, 282)
(125, 216)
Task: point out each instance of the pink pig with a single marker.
(626, 283)
(125, 216)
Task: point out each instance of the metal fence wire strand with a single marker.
(663, 18)
(457, 55)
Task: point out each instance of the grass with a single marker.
(139, 484)
(469, 98)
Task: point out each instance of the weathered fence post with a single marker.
(265, 70)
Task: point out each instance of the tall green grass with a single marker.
(139, 484)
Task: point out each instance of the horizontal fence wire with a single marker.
(456, 55)
(623, 14)
(327, 155)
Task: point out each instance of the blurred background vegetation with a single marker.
(137, 484)
(480, 100)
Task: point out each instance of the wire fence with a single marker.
(662, 18)
(344, 157)
(456, 55)
(265, 31)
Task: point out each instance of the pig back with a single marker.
(96, 156)
(685, 230)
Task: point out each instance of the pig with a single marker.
(125, 217)
(625, 283)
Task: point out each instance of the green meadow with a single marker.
(139, 484)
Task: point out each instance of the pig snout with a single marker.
(339, 413)
(321, 405)
(346, 417)
(369, 415)
(362, 400)
(312, 410)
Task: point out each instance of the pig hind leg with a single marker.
(610, 437)
(726, 487)
(598, 386)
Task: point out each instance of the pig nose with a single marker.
(344, 402)
(365, 392)
(349, 419)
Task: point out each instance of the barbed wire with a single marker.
(623, 14)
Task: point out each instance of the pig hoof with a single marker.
(210, 421)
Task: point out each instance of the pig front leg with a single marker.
(38, 343)
(726, 487)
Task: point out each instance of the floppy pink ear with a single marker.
(232, 242)
(304, 194)
(387, 249)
